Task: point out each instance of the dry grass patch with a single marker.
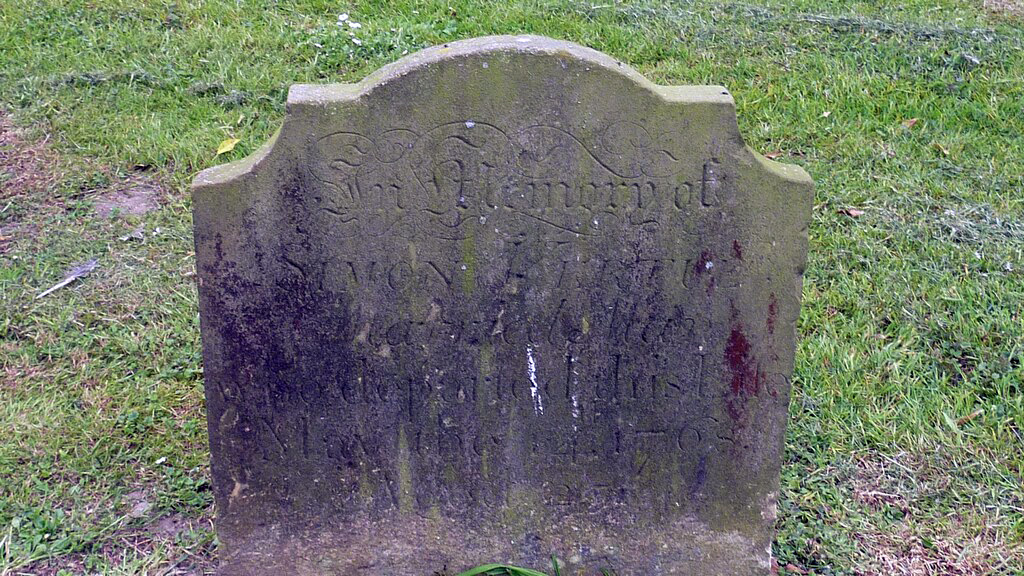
(1013, 8)
(25, 166)
(153, 547)
(36, 181)
(966, 541)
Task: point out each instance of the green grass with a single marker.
(505, 570)
(905, 446)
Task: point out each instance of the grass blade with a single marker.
(500, 570)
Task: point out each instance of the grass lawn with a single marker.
(905, 452)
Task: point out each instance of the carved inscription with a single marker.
(400, 181)
(441, 349)
(445, 284)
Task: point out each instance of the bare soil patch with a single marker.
(134, 197)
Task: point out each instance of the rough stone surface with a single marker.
(502, 300)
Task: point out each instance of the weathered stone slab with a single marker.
(502, 300)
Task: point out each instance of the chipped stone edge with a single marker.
(318, 95)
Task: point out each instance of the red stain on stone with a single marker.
(746, 373)
(773, 311)
(737, 356)
(737, 249)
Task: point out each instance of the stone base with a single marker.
(416, 546)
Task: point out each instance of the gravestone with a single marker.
(503, 300)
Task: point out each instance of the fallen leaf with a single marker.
(910, 123)
(227, 146)
(965, 419)
(795, 568)
(137, 234)
(851, 212)
(941, 148)
(773, 155)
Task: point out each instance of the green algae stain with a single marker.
(468, 264)
(523, 509)
(412, 256)
(405, 493)
(485, 465)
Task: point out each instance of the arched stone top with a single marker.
(488, 46)
(513, 57)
